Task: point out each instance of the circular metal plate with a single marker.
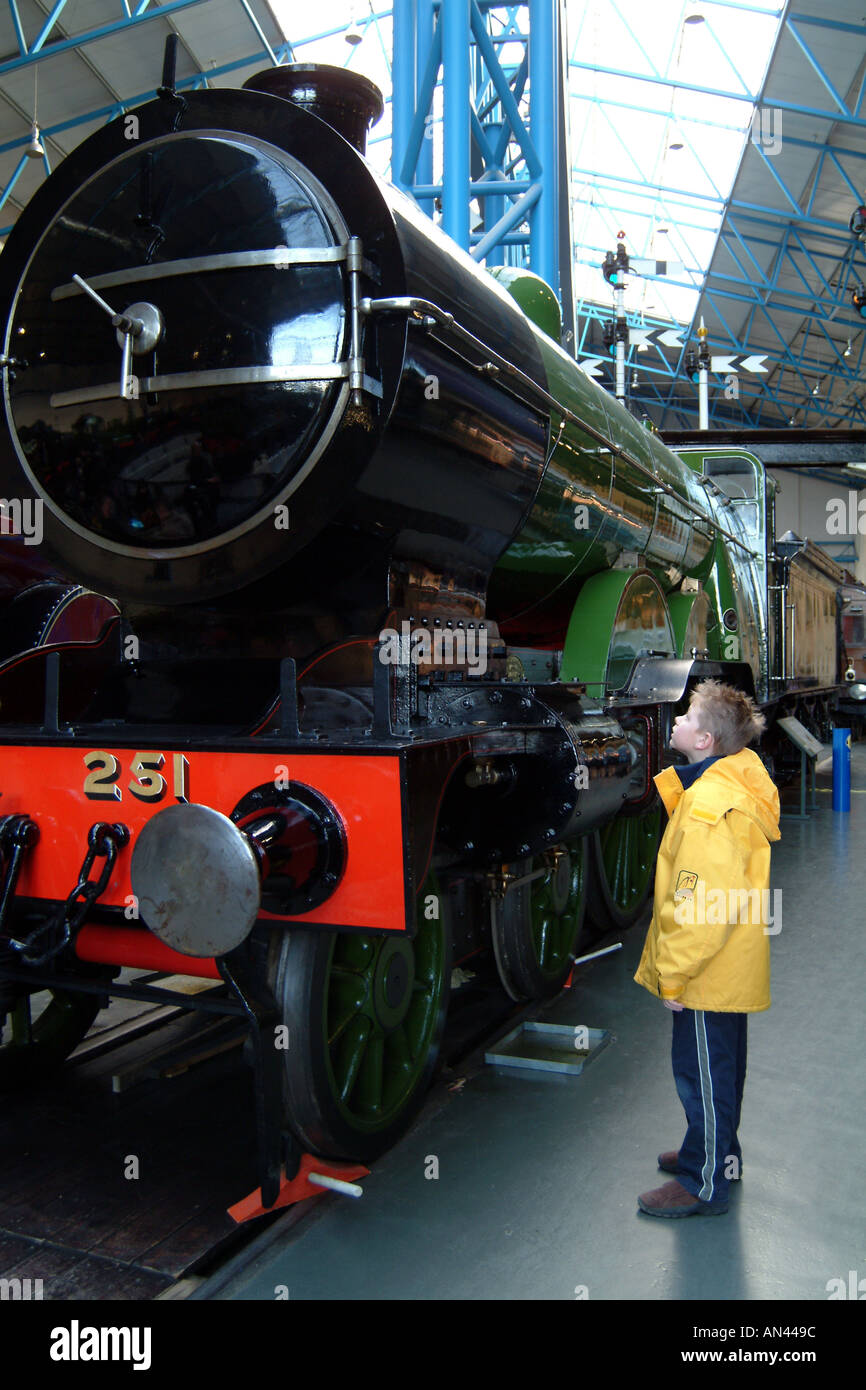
(152, 326)
(196, 880)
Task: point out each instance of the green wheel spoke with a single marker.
(345, 1000)
(371, 1077)
(383, 1009)
(348, 972)
(626, 861)
(336, 1031)
(544, 941)
(624, 876)
(351, 1055)
(353, 952)
(418, 1021)
(539, 922)
(399, 1052)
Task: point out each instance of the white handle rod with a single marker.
(592, 955)
(97, 298)
(351, 1189)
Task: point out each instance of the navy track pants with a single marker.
(708, 1054)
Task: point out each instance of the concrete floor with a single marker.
(538, 1174)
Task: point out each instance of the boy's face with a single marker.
(687, 735)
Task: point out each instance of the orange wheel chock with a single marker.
(332, 1176)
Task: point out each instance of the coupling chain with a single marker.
(103, 839)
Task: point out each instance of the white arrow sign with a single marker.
(640, 337)
(671, 337)
(734, 364)
(590, 365)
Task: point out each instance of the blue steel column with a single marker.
(454, 18)
(482, 102)
(544, 78)
(494, 207)
(404, 87)
(425, 20)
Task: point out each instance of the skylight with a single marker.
(318, 34)
(650, 157)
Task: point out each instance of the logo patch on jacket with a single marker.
(687, 882)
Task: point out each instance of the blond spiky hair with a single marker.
(728, 714)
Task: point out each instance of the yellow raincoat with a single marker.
(708, 945)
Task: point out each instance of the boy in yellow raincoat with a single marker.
(707, 952)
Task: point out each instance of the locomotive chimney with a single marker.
(348, 101)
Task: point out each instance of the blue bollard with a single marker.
(841, 769)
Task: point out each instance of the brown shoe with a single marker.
(672, 1199)
(669, 1162)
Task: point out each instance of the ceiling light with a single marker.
(676, 145)
(847, 352)
(694, 19)
(815, 389)
(35, 149)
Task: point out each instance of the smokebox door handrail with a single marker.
(281, 257)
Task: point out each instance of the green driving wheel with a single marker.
(537, 924)
(622, 864)
(365, 1015)
(41, 1030)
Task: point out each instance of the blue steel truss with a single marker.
(495, 166)
(500, 185)
(814, 382)
(47, 46)
(51, 40)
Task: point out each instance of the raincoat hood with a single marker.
(739, 782)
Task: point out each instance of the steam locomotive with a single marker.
(401, 605)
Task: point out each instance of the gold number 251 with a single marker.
(146, 782)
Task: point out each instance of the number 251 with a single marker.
(146, 782)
